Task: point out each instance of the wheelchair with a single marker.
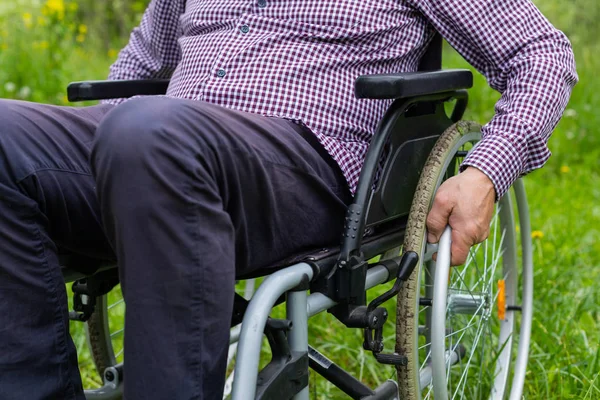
(461, 332)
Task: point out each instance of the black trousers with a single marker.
(186, 195)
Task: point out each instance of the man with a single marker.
(252, 156)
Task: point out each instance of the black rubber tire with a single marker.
(415, 240)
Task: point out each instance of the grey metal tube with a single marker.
(234, 333)
(527, 306)
(253, 325)
(296, 306)
(510, 274)
(106, 392)
(376, 276)
(112, 389)
(467, 304)
(388, 390)
(426, 374)
(438, 319)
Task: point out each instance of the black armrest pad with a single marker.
(410, 84)
(99, 90)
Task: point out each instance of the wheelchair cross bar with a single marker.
(336, 375)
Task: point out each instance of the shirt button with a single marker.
(262, 3)
(221, 73)
(244, 28)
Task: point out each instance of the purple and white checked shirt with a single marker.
(298, 59)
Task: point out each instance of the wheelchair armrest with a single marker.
(99, 90)
(411, 84)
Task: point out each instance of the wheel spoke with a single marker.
(119, 353)
(117, 332)
(113, 305)
(466, 369)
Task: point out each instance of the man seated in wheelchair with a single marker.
(253, 155)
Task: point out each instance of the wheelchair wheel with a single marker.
(105, 331)
(457, 326)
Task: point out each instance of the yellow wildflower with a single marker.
(57, 6)
(54, 7)
(565, 169)
(27, 20)
(537, 234)
(73, 7)
(44, 45)
(80, 38)
(82, 29)
(112, 53)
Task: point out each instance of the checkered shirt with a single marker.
(298, 59)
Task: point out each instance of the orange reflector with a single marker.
(501, 299)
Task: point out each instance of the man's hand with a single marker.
(466, 203)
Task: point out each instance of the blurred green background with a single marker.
(46, 44)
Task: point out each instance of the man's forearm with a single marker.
(523, 57)
(535, 93)
(152, 51)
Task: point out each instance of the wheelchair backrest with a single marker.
(409, 139)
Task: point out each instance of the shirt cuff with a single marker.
(496, 157)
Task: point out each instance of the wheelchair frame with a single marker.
(338, 279)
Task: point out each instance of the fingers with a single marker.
(464, 237)
(460, 248)
(437, 219)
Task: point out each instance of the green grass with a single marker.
(564, 199)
